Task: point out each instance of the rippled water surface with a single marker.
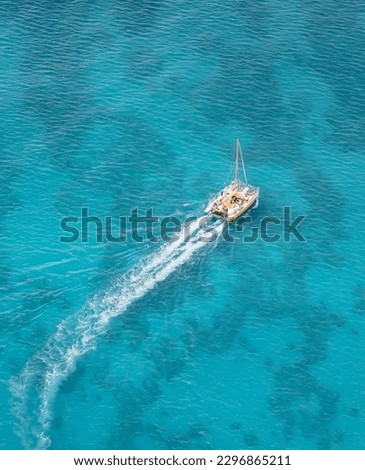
(110, 105)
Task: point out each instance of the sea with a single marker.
(253, 339)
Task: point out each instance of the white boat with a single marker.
(236, 198)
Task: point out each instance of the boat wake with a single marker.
(35, 388)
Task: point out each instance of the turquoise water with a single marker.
(111, 105)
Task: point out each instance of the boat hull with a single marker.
(239, 213)
(234, 217)
(231, 204)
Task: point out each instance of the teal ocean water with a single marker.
(112, 105)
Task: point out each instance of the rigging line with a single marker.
(243, 165)
(236, 162)
(231, 174)
(231, 171)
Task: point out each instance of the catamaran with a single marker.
(236, 198)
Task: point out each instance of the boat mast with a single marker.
(236, 167)
(243, 163)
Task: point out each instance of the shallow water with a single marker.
(116, 105)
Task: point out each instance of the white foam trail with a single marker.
(36, 386)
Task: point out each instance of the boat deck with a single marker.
(232, 203)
